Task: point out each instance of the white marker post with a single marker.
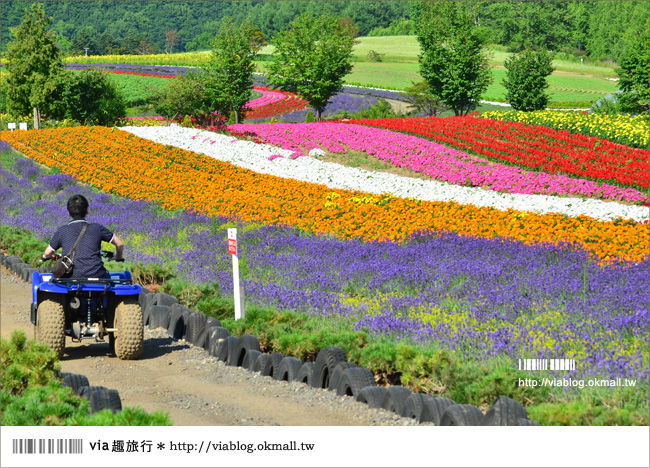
(11, 126)
(23, 125)
(237, 290)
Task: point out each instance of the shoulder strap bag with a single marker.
(64, 266)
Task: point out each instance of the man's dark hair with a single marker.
(78, 206)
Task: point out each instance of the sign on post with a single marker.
(237, 290)
(23, 125)
(11, 126)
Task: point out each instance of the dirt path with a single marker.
(193, 387)
(399, 106)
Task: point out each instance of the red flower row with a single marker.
(290, 103)
(531, 146)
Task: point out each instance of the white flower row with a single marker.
(256, 156)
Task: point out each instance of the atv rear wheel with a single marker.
(50, 326)
(129, 338)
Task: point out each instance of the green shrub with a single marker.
(91, 97)
(25, 363)
(187, 121)
(127, 417)
(189, 294)
(33, 395)
(579, 413)
(310, 117)
(152, 273)
(56, 405)
(526, 81)
(49, 405)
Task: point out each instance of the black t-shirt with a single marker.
(87, 261)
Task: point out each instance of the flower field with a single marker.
(432, 159)
(533, 147)
(623, 129)
(179, 179)
(481, 298)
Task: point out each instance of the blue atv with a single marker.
(88, 309)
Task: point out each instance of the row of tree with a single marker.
(454, 64)
(604, 29)
(311, 58)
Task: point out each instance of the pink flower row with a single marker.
(429, 158)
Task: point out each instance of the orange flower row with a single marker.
(123, 164)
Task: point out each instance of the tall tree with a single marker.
(634, 76)
(525, 80)
(231, 65)
(312, 57)
(35, 66)
(454, 60)
(171, 40)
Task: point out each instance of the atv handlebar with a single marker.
(104, 253)
(54, 256)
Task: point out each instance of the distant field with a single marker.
(399, 68)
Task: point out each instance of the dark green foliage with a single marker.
(399, 27)
(422, 100)
(454, 60)
(182, 97)
(635, 76)
(49, 405)
(22, 244)
(231, 66)
(312, 57)
(33, 395)
(91, 97)
(381, 110)
(190, 294)
(56, 405)
(613, 27)
(526, 79)
(152, 273)
(25, 363)
(34, 62)
(605, 29)
(538, 25)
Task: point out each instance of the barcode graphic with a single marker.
(547, 364)
(48, 446)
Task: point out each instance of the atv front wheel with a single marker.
(129, 337)
(50, 326)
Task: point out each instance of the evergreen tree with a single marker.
(525, 80)
(454, 61)
(634, 76)
(311, 58)
(36, 72)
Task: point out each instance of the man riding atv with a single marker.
(88, 302)
(88, 261)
